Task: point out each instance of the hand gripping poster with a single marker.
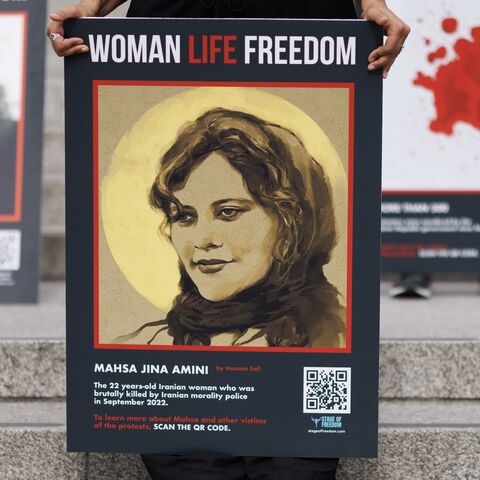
(431, 177)
(223, 234)
(21, 110)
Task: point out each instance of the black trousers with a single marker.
(177, 467)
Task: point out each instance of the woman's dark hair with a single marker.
(268, 157)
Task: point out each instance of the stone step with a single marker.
(32, 346)
(35, 368)
(32, 368)
(53, 203)
(53, 155)
(52, 254)
(424, 440)
(53, 209)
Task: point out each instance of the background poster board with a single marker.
(21, 117)
(138, 383)
(431, 175)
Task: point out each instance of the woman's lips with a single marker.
(211, 266)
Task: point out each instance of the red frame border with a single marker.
(351, 125)
(16, 216)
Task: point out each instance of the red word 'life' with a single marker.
(210, 47)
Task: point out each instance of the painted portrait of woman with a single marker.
(250, 215)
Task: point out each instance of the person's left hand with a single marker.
(396, 31)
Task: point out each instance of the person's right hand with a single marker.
(69, 46)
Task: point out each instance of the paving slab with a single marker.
(432, 412)
(41, 321)
(452, 312)
(21, 412)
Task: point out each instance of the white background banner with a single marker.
(432, 98)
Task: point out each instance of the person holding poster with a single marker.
(222, 467)
(374, 10)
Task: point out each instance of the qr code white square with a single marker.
(326, 389)
(10, 247)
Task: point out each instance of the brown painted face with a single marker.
(223, 237)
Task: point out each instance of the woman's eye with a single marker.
(229, 213)
(184, 218)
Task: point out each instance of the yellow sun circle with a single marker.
(144, 256)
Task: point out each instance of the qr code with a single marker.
(326, 390)
(10, 242)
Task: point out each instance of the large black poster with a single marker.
(223, 236)
(21, 107)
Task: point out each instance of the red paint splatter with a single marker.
(427, 41)
(450, 25)
(437, 54)
(456, 87)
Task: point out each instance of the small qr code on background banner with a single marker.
(10, 246)
(326, 389)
